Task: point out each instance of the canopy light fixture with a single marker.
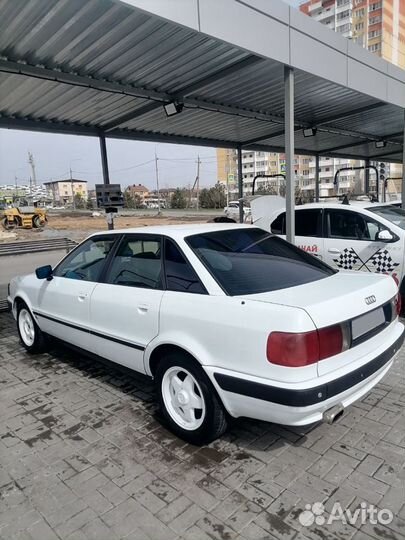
(309, 132)
(380, 144)
(173, 108)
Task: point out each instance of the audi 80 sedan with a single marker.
(228, 319)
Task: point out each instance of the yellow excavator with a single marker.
(23, 217)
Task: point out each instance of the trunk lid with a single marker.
(336, 299)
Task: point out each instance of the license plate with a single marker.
(369, 321)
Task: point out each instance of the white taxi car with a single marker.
(364, 236)
(229, 320)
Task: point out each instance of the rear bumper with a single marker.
(304, 405)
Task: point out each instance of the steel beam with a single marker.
(366, 140)
(367, 177)
(353, 112)
(289, 152)
(240, 184)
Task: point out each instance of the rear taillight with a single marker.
(302, 349)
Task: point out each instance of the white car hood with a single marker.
(334, 299)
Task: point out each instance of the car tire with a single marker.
(189, 403)
(31, 336)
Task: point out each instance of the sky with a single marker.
(130, 162)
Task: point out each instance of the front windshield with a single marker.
(250, 260)
(392, 213)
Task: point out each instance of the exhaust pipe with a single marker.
(332, 415)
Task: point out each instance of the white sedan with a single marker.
(228, 319)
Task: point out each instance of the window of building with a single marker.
(359, 26)
(375, 6)
(374, 20)
(342, 2)
(344, 14)
(374, 33)
(375, 47)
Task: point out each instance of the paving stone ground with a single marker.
(83, 456)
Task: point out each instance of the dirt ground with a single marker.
(78, 227)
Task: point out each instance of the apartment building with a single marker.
(62, 191)
(257, 164)
(379, 26)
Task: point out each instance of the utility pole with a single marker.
(71, 187)
(16, 187)
(32, 163)
(157, 182)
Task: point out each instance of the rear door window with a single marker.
(137, 263)
(179, 274)
(307, 223)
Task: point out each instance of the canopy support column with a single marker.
(106, 178)
(403, 169)
(240, 184)
(317, 178)
(289, 152)
(104, 160)
(367, 177)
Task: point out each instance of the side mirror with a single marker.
(385, 236)
(44, 272)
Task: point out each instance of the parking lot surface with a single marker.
(83, 456)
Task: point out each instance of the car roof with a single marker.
(338, 204)
(177, 231)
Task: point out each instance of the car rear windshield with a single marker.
(392, 213)
(250, 261)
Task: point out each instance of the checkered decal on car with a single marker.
(382, 261)
(348, 259)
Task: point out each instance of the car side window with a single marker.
(278, 225)
(351, 225)
(307, 223)
(180, 275)
(86, 261)
(137, 263)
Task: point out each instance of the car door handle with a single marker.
(334, 250)
(143, 308)
(82, 297)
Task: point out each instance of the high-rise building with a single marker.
(257, 164)
(377, 25)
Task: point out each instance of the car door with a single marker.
(308, 230)
(352, 243)
(63, 302)
(124, 311)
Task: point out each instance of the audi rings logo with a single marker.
(370, 299)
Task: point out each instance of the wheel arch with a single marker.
(161, 350)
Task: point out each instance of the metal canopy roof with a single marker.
(104, 66)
